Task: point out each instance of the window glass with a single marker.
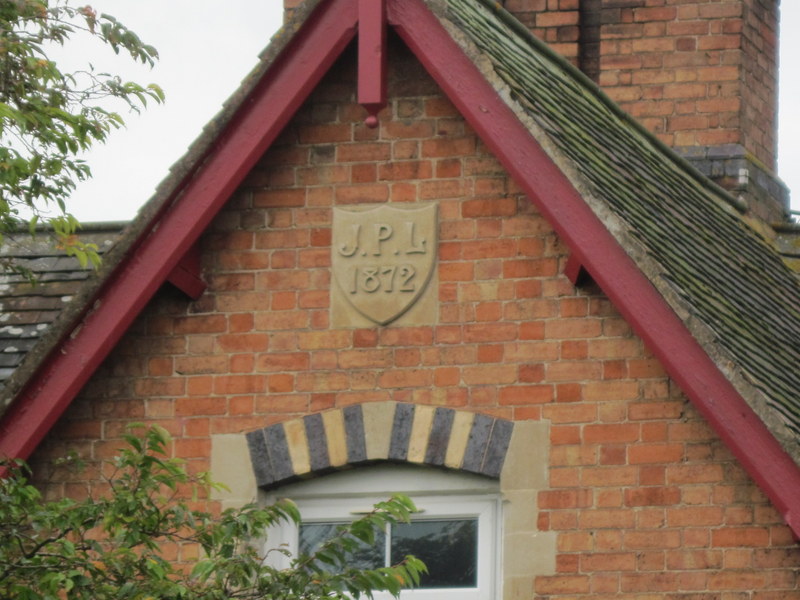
(456, 532)
(449, 548)
(312, 535)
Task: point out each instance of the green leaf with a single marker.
(49, 115)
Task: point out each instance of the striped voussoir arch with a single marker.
(381, 431)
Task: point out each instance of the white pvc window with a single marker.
(455, 532)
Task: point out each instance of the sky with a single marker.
(206, 48)
(205, 52)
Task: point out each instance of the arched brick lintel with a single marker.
(390, 431)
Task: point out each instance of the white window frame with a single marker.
(437, 494)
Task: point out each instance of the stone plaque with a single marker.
(383, 260)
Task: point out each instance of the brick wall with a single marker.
(645, 501)
(556, 22)
(760, 78)
(700, 74)
(697, 73)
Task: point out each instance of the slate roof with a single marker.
(26, 309)
(724, 279)
(727, 283)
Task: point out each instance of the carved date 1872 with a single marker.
(383, 257)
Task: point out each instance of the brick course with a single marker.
(645, 501)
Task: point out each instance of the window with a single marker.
(456, 531)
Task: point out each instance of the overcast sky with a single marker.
(207, 47)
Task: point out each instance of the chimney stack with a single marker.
(700, 75)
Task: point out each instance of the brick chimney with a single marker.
(700, 74)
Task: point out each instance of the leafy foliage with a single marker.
(48, 117)
(113, 546)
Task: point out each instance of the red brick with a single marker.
(193, 365)
(490, 332)
(315, 340)
(286, 320)
(321, 381)
(557, 18)
(201, 324)
(695, 516)
(199, 386)
(691, 474)
(606, 519)
(297, 238)
(159, 387)
(655, 410)
(577, 350)
(362, 193)
(533, 373)
(275, 198)
(610, 476)
(365, 358)
(555, 584)
(365, 338)
(410, 336)
(447, 168)
(621, 561)
(718, 10)
(655, 453)
(192, 448)
(447, 376)
(448, 147)
(531, 331)
(456, 271)
(574, 371)
(602, 434)
(653, 496)
(190, 407)
(159, 366)
(280, 383)
(490, 353)
(546, 267)
(403, 170)
(659, 13)
(652, 539)
(560, 499)
(404, 378)
(569, 392)
(489, 374)
(325, 133)
(740, 537)
(440, 107)
(572, 328)
(744, 581)
(492, 207)
(239, 384)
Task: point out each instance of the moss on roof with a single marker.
(737, 295)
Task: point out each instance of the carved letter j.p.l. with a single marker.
(413, 246)
(351, 247)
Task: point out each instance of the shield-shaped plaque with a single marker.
(383, 257)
